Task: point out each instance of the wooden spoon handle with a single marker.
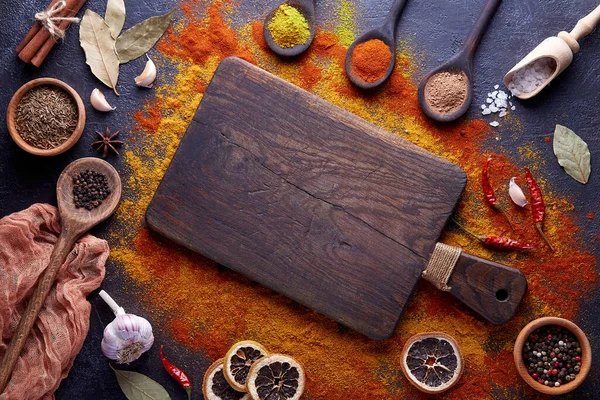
(488, 11)
(492, 290)
(59, 254)
(310, 4)
(391, 21)
(586, 25)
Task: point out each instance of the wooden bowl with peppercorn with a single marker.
(45, 117)
(553, 355)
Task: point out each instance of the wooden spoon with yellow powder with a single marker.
(290, 28)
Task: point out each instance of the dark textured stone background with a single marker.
(435, 28)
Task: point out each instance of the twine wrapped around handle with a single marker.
(441, 264)
(50, 21)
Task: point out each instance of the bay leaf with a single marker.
(99, 48)
(137, 40)
(572, 153)
(139, 387)
(115, 16)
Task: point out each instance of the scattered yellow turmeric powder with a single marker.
(207, 308)
(289, 27)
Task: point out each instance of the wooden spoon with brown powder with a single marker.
(445, 93)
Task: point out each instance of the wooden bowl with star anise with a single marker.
(45, 117)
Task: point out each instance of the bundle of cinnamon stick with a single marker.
(38, 42)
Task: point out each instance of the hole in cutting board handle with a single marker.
(502, 295)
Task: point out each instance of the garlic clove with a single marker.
(516, 193)
(148, 75)
(99, 101)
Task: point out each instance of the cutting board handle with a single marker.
(492, 290)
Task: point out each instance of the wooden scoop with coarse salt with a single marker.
(557, 51)
(75, 222)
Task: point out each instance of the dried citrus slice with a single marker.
(432, 361)
(238, 361)
(216, 387)
(276, 377)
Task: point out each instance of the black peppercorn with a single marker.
(553, 355)
(89, 189)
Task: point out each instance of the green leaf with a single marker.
(115, 16)
(572, 153)
(99, 48)
(136, 41)
(139, 387)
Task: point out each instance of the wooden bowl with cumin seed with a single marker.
(66, 142)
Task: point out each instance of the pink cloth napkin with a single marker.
(26, 242)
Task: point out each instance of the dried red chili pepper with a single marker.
(177, 374)
(504, 243)
(498, 243)
(488, 192)
(538, 207)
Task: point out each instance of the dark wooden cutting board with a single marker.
(317, 204)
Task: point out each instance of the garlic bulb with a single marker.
(148, 75)
(99, 101)
(127, 337)
(516, 193)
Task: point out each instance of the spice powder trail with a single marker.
(208, 309)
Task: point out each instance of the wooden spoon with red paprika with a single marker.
(386, 34)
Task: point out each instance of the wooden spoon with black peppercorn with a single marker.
(75, 221)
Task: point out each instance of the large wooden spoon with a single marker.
(462, 61)
(75, 222)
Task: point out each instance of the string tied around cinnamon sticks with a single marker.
(50, 19)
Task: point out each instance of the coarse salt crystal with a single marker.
(532, 76)
(494, 123)
(497, 102)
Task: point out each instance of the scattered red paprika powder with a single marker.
(208, 309)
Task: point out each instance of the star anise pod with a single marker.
(108, 142)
